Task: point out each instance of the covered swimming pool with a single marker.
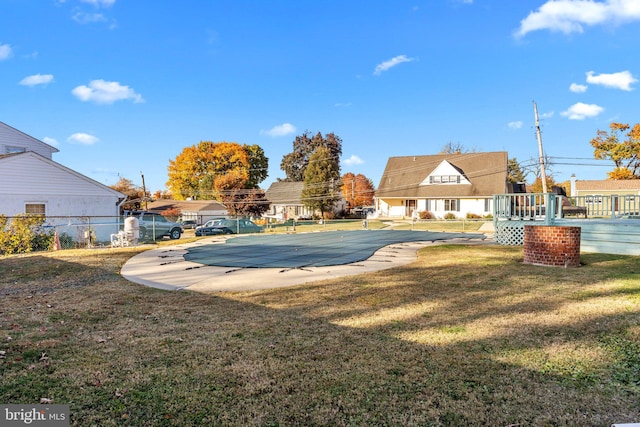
(309, 249)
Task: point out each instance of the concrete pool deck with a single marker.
(166, 267)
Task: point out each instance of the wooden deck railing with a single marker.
(533, 207)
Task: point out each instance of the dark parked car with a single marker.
(206, 229)
(229, 226)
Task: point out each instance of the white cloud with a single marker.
(515, 125)
(280, 130)
(386, 65)
(51, 141)
(577, 88)
(580, 111)
(5, 51)
(37, 79)
(103, 92)
(570, 16)
(353, 160)
(100, 3)
(88, 18)
(82, 138)
(622, 80)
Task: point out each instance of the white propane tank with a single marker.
(132, 229)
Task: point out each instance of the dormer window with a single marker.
(444, 179)
(447, 174)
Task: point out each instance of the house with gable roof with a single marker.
(611, 195)
(200, 211)
(31, 182)
(285, 201)
(460, 184)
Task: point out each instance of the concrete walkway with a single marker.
(166, 268)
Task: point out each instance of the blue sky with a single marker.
(120, 87)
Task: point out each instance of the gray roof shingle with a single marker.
(402, 176)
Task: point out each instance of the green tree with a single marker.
(621, 144)
(321, 181)
(295, 163)
(258, 165)
(515, 173)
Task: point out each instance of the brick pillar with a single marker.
(551, 245)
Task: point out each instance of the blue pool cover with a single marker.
(308, 249)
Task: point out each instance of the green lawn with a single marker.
(466, 335)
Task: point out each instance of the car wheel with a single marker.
(175, 234)
(141, 233)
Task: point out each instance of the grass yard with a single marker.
(466, 335)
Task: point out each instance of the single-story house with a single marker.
(285, 201)
(618, 195)
(605, 187)
(460, 184)
(199, 210)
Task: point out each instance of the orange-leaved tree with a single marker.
(621, 144)
(357, 190)
(206, 170)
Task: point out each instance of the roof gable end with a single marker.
(447, 174)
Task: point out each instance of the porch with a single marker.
(609, 224)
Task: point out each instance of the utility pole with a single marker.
(144, 192)
(543, 173)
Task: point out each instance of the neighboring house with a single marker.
(285, 201)
(460, 184)
(607, 187)
(31, 182)
(199, 210)
(610, 194)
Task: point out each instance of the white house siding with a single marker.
(29, 178)
(396, 208)
(60, 205)
(11, 138)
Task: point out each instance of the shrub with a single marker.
(450, 215)
(23, 234)
(171, 214)
(425, 215)
(471, 215)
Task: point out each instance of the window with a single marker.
(452, 205)
(488, 205)
(11, 150)
(593, 199)
(35, 208)
(444, 179)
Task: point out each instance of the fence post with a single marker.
(550, 212)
